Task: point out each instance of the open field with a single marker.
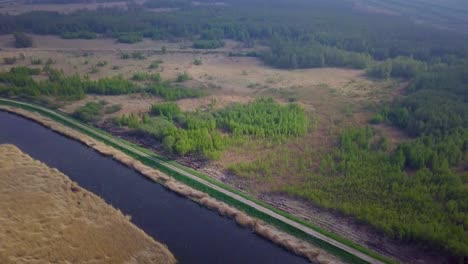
(48, 217)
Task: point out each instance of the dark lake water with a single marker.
(193, 233)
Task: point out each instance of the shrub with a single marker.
(90, 112)
(169, 110)
(198, 61)
(182, 77)
(377, 119)
(130, 38)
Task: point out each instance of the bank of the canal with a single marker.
(193, 233)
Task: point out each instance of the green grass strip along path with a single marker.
(334, 244)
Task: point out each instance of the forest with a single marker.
(318, 34)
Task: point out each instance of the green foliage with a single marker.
(169, 110)
(22, 40)
(200, 132)
(415, 192)
(197, 61)
(436, 104)
(297, 55)
(90, 112)
(399, 67)
(264, 118)
(19, 82)
(110, 86)
(377, 119)
(302, 23)
(144, 76)
(173, 93)
(129, 38)
(182, 77)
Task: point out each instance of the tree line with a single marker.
(328, 33)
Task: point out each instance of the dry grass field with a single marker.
(47, 218)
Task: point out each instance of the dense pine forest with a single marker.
(302, 35)
(416, 191)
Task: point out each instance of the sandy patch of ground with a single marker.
(47, 217)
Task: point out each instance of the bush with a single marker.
(90, 112)
(377, 119)
(130, 38)
(173, 93)
(198, 61)
(182, 77)
(169, 110)
(22, 40)
(144, 76)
